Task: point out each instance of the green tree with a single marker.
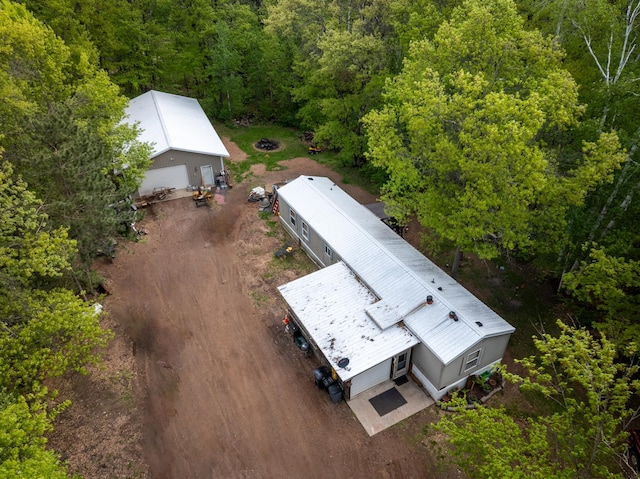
(35, 68)
(129, 39)
(29, 253)
(473, 132)
(46, 332)
(273, 81)
(226, 86)
(343, 53)
(488, 443)
(22, 442)
(600, 38)
(593, 389)
(346, 83)
(63, 130)
(67, 163)
(609, 285)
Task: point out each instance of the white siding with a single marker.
(371, 377)
(170, 177)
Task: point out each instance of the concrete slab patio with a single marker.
(373, 423)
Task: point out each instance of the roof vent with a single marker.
(479, 323)
(429, 299)
(309, 178)
(453, 315)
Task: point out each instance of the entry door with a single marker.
(207, 175)
(400, 364)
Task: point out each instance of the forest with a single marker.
(507, 128)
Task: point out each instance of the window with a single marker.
(327, 251)
(305, 230)
(473, 359)
(292, 217)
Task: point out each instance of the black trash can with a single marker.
(328, 381)
(335, 392)
(319, 374)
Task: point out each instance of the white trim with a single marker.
(467, 365)
(435, 393)
(395, 372)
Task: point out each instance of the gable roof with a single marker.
(174, 122)
(394, 271)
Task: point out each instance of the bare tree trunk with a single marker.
(623, 207)
(271, 92)
(622, 178)
(456, 262)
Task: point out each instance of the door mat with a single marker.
(401, 380)
(387, 401)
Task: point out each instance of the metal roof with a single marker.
(331, 305)
(174, 122)
(394, 271)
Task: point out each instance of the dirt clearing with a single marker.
(201, 380)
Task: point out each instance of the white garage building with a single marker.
(186, 148)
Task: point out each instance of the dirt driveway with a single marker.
(217, 390)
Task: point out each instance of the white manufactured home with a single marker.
(187, 151)
(378, 308)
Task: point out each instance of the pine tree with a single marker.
(68, 165)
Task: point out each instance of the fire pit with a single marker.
(267, 144)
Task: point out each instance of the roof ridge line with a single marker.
(395, 259)
(165, 132)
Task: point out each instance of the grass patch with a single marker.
(292, 147)
(299, 263)
(273, 226)
(259, 299)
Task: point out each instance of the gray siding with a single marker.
(193, 161)
(428, 363)
(492, 350)
(444, 376)
(314, 246)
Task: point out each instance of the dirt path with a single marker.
(218, 389)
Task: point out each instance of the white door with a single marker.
(401, 364)
(207, 176)
(371, 377)
(169, 177)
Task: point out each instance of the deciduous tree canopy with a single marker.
(592, 389)
(470, 135)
